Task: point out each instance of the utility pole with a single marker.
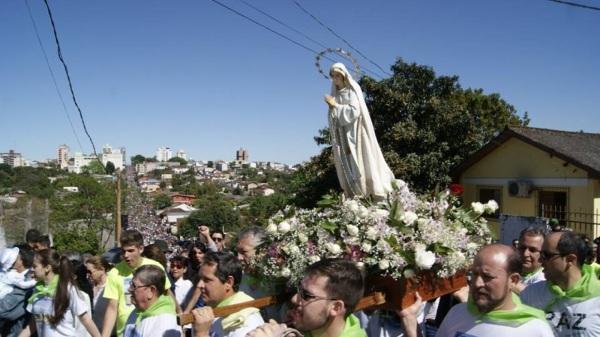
(118, 212)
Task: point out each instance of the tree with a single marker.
(137, 159)
(161, 201)
(263, 207)
(215, 212)
(94, 167)
(179, 160)
(110, 167)
(425, 124)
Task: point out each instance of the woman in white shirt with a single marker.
(56, 303)
(97, 272)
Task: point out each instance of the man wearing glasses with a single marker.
(570, 296)
(154, 314)
(326, 298)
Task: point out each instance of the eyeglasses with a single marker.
(178, 266)
(548, 255)
(133, 287)
(306, 297)
(217, 239)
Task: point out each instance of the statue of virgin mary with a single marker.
(360, 166)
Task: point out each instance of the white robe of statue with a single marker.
(360, 166)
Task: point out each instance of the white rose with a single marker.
(381, 212)
(477, 207)
(384, 264)
(363, 212)
(371, 233)
(424, 259)
(272, 228)
(314, 258)
(409, 218)
(352, 230)
(284, 227)
(422, 222)
(360, 265)
(491, 207)
(302, 237)
(366, 247)
(400, 183)
(285, 272)
(352, 205)
(294, 250)
(409, 273)
(333, 248)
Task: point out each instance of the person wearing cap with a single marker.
(12, 306)
(10, 277)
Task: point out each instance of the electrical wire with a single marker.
(60, 56)
(574, 4)
(339, 37)
(62, 101)
(278, 33)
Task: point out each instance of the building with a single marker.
(178, 198)
(79, 161)
(164, 154)
(222, 166)
(147, 167)
(181, 154)
(115, 156)
(12, 158)
(174, 213)
(241, 155)
(63, 156)
(536, 172)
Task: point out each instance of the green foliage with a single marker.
(214, 211)
(34, 181)
(261, 208)
(110, 167)
(185, 183)
(137, 159)
(94, 167)
(78, 239)
(161, 201)
(87, 209)
(179, 160)
(425, 124)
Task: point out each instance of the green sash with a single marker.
(43, 290)
(519, 315)
(587, 287)
(164, 305)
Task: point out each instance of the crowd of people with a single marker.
(546, 285)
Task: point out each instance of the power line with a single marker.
(277, 33)
(69, 80)
(283, 24)
(341, 38)
(62, 101)
(574, 4)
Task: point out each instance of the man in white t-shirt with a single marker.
(530, 244)
(493, 309)
(154, 314)
(570, 296)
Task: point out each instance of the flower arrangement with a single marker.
(398, 237)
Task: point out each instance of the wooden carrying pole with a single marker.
(376, 298)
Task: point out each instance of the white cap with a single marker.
(8, 256)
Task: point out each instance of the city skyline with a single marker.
(199, 77)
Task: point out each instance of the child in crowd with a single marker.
(10, 278)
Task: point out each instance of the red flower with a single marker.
(456, 189)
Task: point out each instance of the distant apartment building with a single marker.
(79, 161)
(222, 166)
(164, 154)
(241, 155)
(146, 167)
(115, 156)
(12, 158)
(181, 154)
(63, 156)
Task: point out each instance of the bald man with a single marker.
(570, 296)
(493, 309)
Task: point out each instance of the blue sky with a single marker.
(192, 75)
